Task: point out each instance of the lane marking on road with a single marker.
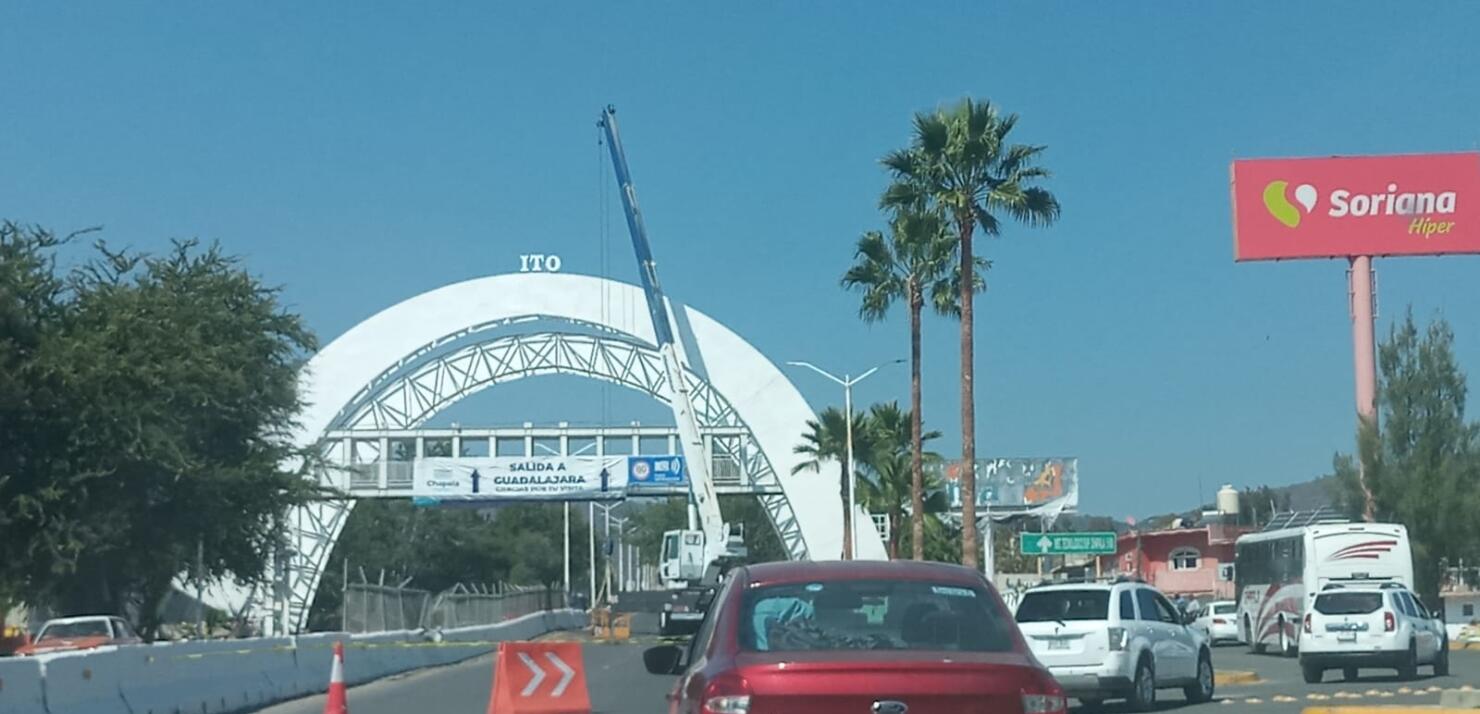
(1228, 677)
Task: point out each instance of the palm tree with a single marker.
(826, 439)
(918, 258)
(889, 465)
(960, 161)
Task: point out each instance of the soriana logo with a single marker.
(1425, 204)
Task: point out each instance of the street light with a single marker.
(848, 383)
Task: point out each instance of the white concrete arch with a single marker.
(357, 364)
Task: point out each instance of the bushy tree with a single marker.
(1423, 465)
(156, 398)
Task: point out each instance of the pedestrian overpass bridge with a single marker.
(383, 463)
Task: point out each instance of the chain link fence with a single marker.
(382, 608)
(467, 607)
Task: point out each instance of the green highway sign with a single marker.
(1098, 543)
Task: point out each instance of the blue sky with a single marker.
(358, 154)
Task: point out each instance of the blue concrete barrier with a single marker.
(223, 676)
(20, 687)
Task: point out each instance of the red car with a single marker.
(70, 634)
(863, 637)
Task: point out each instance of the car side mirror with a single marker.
(665, 659)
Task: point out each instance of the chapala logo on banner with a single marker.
(1350, 206)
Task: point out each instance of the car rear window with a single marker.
(1065, 605)
(75, 630)
(1348, 603)
(1225, 609)
(873, 615)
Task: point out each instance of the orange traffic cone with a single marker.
(336, 703)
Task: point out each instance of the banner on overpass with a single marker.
(518, 478)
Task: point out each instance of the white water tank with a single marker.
(1228, 500)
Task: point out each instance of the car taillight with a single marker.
(1307, 623)
(1389, 623)
(1219, 621)
(1045, 704)
(1047, 697)
(1118, 637)
(727, 694)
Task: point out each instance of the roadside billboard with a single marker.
(1338, 207)
(1028, 486)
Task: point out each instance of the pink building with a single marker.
(1195, 562)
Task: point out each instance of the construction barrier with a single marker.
(539, 678)
(220, 676)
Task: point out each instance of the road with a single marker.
(619, 685)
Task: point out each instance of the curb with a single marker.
(1227, 677)
(1383, 710)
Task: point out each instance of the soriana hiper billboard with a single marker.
(1420, 204)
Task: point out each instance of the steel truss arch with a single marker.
(400, 366)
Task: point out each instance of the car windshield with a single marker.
(75, 630)
(873, 615)
(1064, 605)
(1348, 603)
(1227, 608)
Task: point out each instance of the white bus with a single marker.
(1279, 572)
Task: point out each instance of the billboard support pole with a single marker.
(1360, 279)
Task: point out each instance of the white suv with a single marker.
(1386, 627)
(1112, 640)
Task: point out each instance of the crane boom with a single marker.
(701, 485)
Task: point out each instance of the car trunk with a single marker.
(1068, 644)
(926, 682)
(1358, 618)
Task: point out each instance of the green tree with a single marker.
(1423, 467)
(826, 439)
(160, 394)
(518, 543)
(888, 467)
(1257, 506)
(961, 161)
(37, 533)
(916, 261)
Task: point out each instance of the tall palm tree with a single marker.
(890, 482)
(826, 439)
(916, 260)
(961, 161)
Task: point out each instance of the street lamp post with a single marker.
(847, 383)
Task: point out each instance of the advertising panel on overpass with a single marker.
(1031, 486)
(519, 478)
(1337, 207)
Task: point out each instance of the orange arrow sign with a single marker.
(539, 678)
